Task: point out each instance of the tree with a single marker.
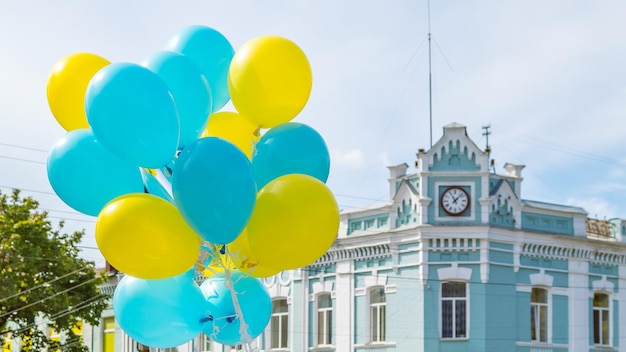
(44, 284)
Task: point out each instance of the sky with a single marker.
(549, 77)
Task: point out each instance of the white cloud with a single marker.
(595, 207)
(384, 159)
(352, 159)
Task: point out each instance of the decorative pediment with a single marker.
(454, 152)
(505, 207)
(405, 205)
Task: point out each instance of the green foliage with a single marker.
(44, 284)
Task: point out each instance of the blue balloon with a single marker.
(213, 187)
(212, 52)
(152, 186)
(253, 299)
(131, 112)
(290, 148)
(160, 313)
(189, 88)
(86, 175)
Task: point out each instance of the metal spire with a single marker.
(430, 81)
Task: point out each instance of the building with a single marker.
(456, 260)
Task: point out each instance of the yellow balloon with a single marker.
(241, 255)
(218, 264)
(234, 128)
(294, 222)
(67, 86)
(145, 236)
(269, 80)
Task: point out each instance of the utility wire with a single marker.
(41, 285)
(47, 298)
(91, 301)
(24, 147)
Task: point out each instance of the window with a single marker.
(539, 315)
(324, 319)
(142, 348)
(56, 337)
(205, 343)
(601, 319)
(77, 330)
(454, 310)
(7, 343)
(378, 305)
(108, 338)
(279, 323)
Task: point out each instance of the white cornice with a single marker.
(533, 244)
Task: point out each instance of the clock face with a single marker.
(455, 200)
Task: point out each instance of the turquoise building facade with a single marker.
(455, 261)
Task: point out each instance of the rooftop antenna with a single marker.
(486, 133)
(430, 81)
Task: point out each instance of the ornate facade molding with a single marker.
(559, 252)
(360, 253)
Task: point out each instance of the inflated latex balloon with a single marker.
(234, 128)
(131, 112)
(67, 85)
(189, 88)
(290, 148)
(227, 326)
(212, 52)
(241, 255)
(86, 175)
(152, 185)
(295, 221)
(269, 80)
(145, 236)
(160, 313)
(214, 189)
(216, 263)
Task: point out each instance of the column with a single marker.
(344, 298)
(578, 305)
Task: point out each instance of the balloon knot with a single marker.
(231, 318)
(223, 249)
(206, 319)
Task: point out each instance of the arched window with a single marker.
(378, 314)
(279, 323)
(454, 310)
(539, 312)
(601, 319)
(324, 320)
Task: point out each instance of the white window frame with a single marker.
(280, 328)
(380, 337)
(454, 300)
(537, 306)
(608, 310)
(327, 313)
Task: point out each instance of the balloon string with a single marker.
(243, 327)
(221, 265)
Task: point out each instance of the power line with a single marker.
(41, 285)
(47, 298)
(91, 301)
(22, 159)
(24, 147)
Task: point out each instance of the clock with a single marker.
(455, 200)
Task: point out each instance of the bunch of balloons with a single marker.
(180, 186)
